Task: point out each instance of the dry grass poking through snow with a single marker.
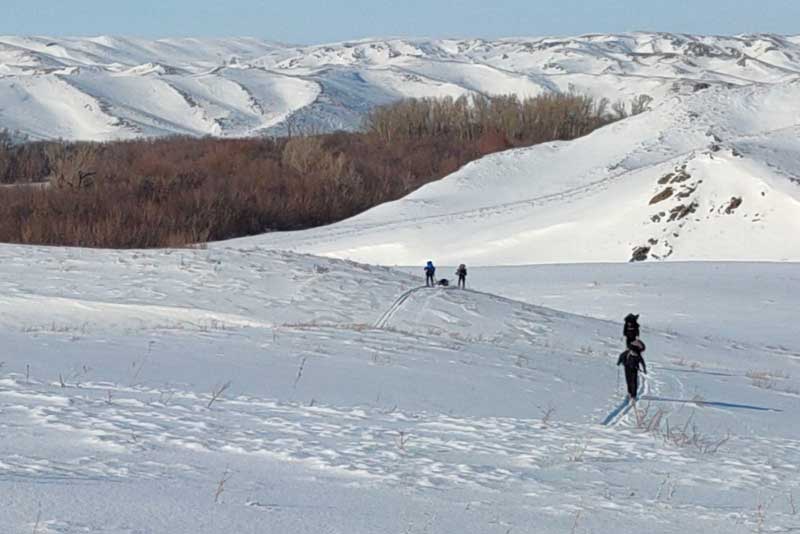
(686, 435)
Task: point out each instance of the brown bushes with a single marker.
(21, 163)
(524, 122)
(178, 191)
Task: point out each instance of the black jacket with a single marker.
(632, 360)
(630, 330)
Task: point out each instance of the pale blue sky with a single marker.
(315, 21)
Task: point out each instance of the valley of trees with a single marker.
(180, 191)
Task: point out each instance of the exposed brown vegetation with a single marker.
(663, 195)
(733, 205)
(640, 254)
(676, 177)
(22, 163)
(679, 212)
(179, 191)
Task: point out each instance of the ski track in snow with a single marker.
(384, 319)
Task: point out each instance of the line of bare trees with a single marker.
(526, 121)
(22, 162)
(178, 191)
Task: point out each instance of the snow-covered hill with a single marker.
(112, 87)
(708, 175)
(357, 402)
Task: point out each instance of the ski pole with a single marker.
(617, 379)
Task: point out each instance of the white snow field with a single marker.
(710, 175)
(252, 387)
(106, 88)
(357, 402)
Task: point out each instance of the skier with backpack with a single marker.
(632, 360)
(430, 273)
(461, 272)
(631, 328)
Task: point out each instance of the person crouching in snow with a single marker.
(430, 273)
(632, 360)
(461, 272)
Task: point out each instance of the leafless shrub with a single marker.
(576, 451)
(547, 414)
(768, 379)
(226, 476)
(666, 489)
(300, 371)
(38, 519)
(402, 440)
(575, 523)
(687, 435)
(72, 165)
(640, 104)
(760, 516)
(217, 392)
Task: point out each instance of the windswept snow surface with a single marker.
(710, 175)
(360, 403)
(115, 88)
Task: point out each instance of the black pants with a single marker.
(429, 280)
(462, 281)
(632, 378)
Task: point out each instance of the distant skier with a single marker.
(632, 359)
(631, 328)
(430, 273)
(461, 272)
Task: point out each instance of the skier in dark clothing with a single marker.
(430, 272)
(632, 360)
(631, 328)
(461, 272)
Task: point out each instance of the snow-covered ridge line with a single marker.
(133, 77)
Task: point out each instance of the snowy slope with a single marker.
(708, 175)
(359, 403)
(113, 87)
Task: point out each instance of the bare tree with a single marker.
(6, 155)
(620, 110)
(72, 166)
(640, 104)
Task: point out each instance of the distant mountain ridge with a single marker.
(106, 88)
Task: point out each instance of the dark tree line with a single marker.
(179, 191)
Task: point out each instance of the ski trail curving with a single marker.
(384, 319)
